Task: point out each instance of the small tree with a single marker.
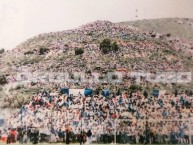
(43, 50)
(79, 51)
(105, 46)
(3, 80)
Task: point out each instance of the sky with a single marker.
(23, 19)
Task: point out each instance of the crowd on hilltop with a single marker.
(167, 117)
(133, 43)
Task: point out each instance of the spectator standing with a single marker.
(89, 136)
(67, 137)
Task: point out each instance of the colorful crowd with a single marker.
(137, 117)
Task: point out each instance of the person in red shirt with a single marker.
(11, 137)
(14, 134)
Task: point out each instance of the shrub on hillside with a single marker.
(28, 52)
(79, 51)
(43, 50)
(3, 80)
(107, 46)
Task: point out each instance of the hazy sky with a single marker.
(22, 19)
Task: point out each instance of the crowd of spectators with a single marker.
(138, 118)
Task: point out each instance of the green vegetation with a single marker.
(28, 52)
(79, 51)
(3, 80)
(30, 60)
(43, 50)
(107, 46)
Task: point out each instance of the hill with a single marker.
(139, 51)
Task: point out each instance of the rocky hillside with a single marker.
(177, 27)
(139, 50)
